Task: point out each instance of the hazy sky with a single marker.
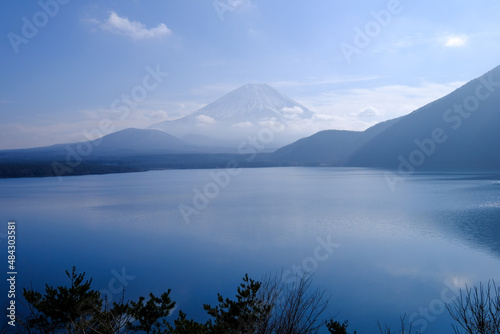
(68, 64)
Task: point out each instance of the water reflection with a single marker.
(479, 228)
(398, 251)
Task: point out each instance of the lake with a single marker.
(381, 250)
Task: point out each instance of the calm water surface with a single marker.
(379, 253)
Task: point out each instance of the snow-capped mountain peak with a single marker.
(238, 113)
(251, 102)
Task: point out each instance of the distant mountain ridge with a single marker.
(328, 147)
(457, 131)
(122, 143)
(460, 130)
(141, 140)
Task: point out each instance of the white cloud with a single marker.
(135, 30)
(271, 123)
(422, 40)
(294, 110)
(357, 109)
(204, 119)
(159, 115)
(455, 41)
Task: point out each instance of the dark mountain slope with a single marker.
(331, 147)
(140, 141)
(121, 143)
(460, 130)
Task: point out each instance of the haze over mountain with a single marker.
(141, 140)
(458, 131)
(328, 147)
(241, 113)
(122, 143)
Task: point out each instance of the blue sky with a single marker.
(65, 62)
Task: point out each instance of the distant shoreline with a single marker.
(100, 166)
